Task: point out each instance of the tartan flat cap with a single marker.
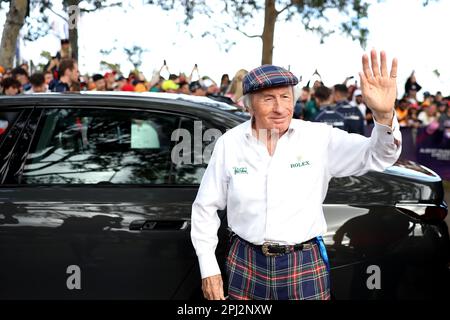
(267, 76)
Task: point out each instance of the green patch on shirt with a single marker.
(240, 170)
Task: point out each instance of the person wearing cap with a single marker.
(358, 101)
(66, 51)
(354, 119)
(99, 81)
(110, 79)
(210, 87)
(196, 89)
(272, 174)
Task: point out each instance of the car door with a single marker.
(93, 209)
(188, 172)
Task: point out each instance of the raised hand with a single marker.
(379, 88)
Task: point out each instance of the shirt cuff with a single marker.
(208, 265)
(391, 133)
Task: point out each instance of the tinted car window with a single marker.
(194, 145)
(90, 146)
(7, 119)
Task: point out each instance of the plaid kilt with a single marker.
(300, 274)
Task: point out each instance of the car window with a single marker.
(94, 146)
(7, 119)
(194, 145)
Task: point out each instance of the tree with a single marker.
(313, 14)
(134, 55)
(15, 19)
(39, 25)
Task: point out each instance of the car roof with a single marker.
(119, 98)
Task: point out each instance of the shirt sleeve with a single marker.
(205, 222)
(353, 154)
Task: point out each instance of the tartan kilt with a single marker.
(298, 275)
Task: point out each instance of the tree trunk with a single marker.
(14, 22)
(73, 39)
(270, 17)
(73, 27)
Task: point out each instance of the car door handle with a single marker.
(158, 225)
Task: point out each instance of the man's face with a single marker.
(185, 89)
(432, 110)
(23, 79)
(305, 96)
(74, 74)
(100, 85)
(213, 89)
(404, 105)
(359, 99)
(110, 80)
(199, 92)
(48, 78)
(11, 91)
(272, 108)
(41, 88)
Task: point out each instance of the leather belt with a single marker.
(273, 249)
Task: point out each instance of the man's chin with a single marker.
(281, 128)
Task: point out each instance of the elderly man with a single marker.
(272, 174)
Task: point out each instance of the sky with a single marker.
(403, 28)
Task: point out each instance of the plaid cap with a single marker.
(267, 76)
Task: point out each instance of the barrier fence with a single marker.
(427, 146)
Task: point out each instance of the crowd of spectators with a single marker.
(340, 105)
(343, 106)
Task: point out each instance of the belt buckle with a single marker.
(265, 249)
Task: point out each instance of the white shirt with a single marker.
(279, 198)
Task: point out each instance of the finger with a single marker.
(365, 85)
(221, 295)
(363, 81)
(365, 65)
(384, 72)
(374, 60)
(219, 290)
(394, 68)
(217, 295)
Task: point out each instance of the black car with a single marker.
(92, 205)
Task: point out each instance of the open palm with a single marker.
(379, 88)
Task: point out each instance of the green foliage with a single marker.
(134, 55)
(109, 66)
(314, 15)
(47, 55)
(39, 26)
